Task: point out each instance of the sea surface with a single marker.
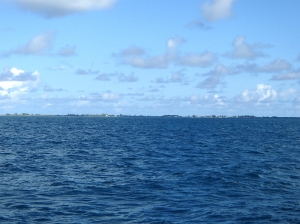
(149, 170)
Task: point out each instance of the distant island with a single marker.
(122, 115)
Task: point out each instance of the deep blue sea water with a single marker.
(149, 170)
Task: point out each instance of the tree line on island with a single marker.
(122, 115)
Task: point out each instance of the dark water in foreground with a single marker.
(149, 170)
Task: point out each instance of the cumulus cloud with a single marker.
(48, 88)
(16, 82)
(217, 9)
(287, 76)
(136, 57)
(243, 50)
(38, 45)
(15, 74)
(172, 43)
(275, 66)
(214, 77)
(204, 59)
(176, 77)
(58, 8)
(104, 77)
(131, 51)
(129, 78)
(159, 61)
(210, 82)
(67, 51)
(262, 93)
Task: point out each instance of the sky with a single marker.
(141, 57)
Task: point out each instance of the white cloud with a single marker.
(207, 100)
(80, 71)
(104, 77)
(243, 50)
(131, 51)
(137, 57)
(159, 61)
(214, 77)
(57, 8)
(276, 66)
(16, 72)
(16, 82)
(287, 76)
(210, 82)
(204, 59)
(262, 93)
(176, 77)
(105, 96)
(95, 97)
(172, 43)
(38, 45)
(217, 9)
(67, 51)
(107, 76)
(108, 96)
(291, 92)
(129, 78)
(48, 88)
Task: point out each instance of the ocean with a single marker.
(60, 169)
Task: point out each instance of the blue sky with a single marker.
(138, 57)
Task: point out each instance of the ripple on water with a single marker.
(149, 170)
